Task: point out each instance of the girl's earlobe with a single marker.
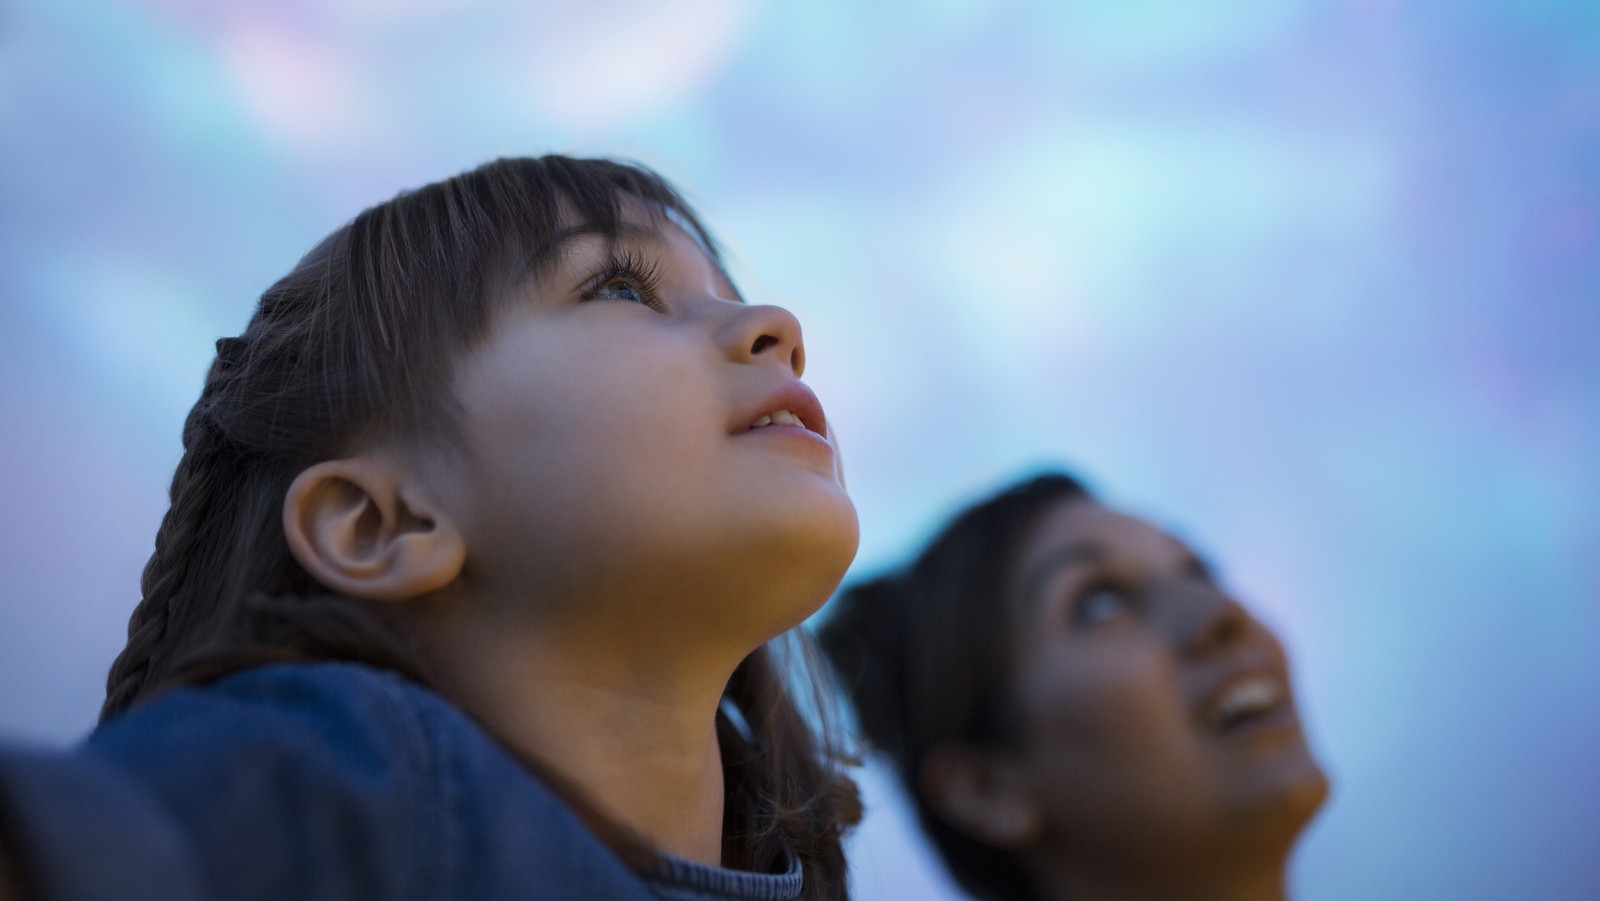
(361, 531)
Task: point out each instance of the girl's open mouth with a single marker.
(792, 405)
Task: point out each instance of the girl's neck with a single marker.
(638, 740)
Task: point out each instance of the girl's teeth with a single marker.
(782, 417)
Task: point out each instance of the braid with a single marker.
(189, 522)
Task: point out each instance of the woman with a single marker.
(1077, 709)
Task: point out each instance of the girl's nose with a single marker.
(755, 333)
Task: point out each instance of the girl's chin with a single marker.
(798, 507)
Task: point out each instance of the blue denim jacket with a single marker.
(316, 781)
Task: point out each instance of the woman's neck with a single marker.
(637, 737)
(1240, 883)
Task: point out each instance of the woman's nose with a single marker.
(755, 333)
(1211, 621)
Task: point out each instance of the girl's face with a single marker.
(642, 455)
(1157, 712)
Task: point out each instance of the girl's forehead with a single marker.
(633, 220)
(636, 223)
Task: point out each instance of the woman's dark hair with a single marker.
(926, 655)
(358, 342)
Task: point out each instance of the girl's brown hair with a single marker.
(926, 655)
(357, 342)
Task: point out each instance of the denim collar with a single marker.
(685, 880)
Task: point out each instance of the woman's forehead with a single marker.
(1079, 521)
(1081, 530)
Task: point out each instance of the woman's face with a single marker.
(1157, 713)
(642, 455)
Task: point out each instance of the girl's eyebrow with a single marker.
(624, 231)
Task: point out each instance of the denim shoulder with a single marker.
(74, 829)
(334, 780)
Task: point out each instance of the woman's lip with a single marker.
(1246, 698)
(799, 400)
(1271, 724)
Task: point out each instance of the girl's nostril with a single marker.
(762, 343)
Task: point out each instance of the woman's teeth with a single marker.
(1251, 697)
(782, 417)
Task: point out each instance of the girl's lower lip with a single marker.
(790, 432)
(787, 430)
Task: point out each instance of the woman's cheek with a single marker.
(1120, 696)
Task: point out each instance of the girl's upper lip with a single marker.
(795, 397)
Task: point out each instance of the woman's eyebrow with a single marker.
(1062, 557)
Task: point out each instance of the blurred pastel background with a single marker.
(1316, 283)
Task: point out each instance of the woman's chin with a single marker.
(1312, 791)
(1284, 795)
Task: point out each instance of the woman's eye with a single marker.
(618, 289)
(1098, 607)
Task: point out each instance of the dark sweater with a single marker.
(315, 781)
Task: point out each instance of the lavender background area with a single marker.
(1314, 282)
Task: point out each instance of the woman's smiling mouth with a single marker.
(1251, 699)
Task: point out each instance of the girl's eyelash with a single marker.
(645, 274)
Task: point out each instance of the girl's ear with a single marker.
(982, 793)
(364, 529)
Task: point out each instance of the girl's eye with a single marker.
(627, 277)
(1098, 607)
(619, 289)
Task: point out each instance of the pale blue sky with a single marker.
(1313, 282)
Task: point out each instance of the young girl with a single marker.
(1077, 710)
(480, 535)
